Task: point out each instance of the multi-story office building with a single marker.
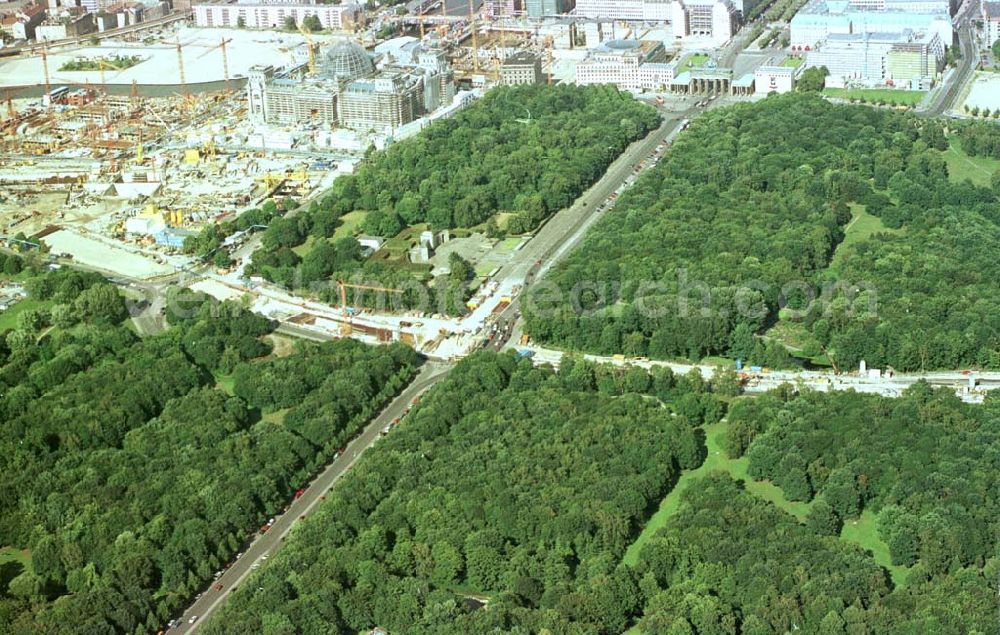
(542, 8)
(644, 10)
(629, 65)
(991, 21)
(819, 19)
(521, 68)
(878, 58)
(269, 14)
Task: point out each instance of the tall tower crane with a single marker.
(475, 37)
(225, 59)
(180, 69)
(45, 67)
(309, 44)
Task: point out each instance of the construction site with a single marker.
(118, 165)
(114, 154)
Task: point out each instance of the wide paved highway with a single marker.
(567, 227)
(265, 544)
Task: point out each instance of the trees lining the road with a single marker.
(737, 212)
(525, 149)
(507, 481)
(131, 477)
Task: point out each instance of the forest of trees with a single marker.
(737, 211)
(731, 562)
(923, 463)
(507, 481)
(981, 139)
(129, 475)
(527, 150)
(523, 486)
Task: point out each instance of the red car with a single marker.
(299, 493)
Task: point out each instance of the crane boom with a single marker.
(343, 286)
(475, 37)
(309, 45)
(180, 69)
(45, 67)
(225, 64)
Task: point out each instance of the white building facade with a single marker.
(265, 15)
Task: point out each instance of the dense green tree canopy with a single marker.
(923, 463)
(527, 150)
(131, 477)
(738, 222)
(507, 482)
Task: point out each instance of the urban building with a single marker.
(65, 26)
(715, 20)
(643, 10)
(381, 104)
(21, 24)
(628, 64)
(500, 8)
(774, 79)
(872, 59)
(288, 101)
(349, 90)
(268, 15)
(819, 19)
(991, 21)
(521, 68)
(542, 8)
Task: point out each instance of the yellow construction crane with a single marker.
(104, 64)
(225, 59)
(309, 43)
(548, 48)
(343, 286)
(138, 149)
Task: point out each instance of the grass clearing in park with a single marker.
(861, 227)
(876, 95)
(717, 459)
(961, 166)
(862, 532)
(349, 224)
(8, 318)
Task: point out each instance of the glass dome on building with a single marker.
(346, 61)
